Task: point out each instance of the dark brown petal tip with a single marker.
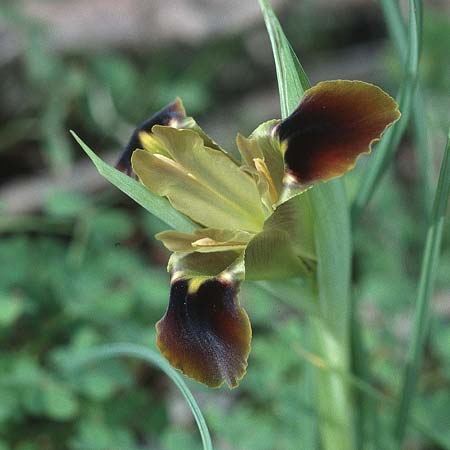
(335, 122)
(205, 333)
(173, 111)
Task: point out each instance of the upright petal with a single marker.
(261, 156)
(335, 122)
(205, 333)
(295, 217)
(270, 255)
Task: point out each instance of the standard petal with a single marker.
(261, 156)
(201, 182)
(205, 333)
(335, 122)
(270, 147)
(295, 217)
(171, 113)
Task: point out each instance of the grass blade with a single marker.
(292, 79)
(398, 33)
(424, 160)
(158, 206)
(141, 352)
(396, 27)
(386, 148)
(427, 275)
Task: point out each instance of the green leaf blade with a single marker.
(386, 148)
(148, 355)
(398, 33)
(430, 262)
(333, 245)
(154, 204)
(292, 79)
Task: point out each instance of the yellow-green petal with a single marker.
(203, 183)
(270, 256)
(190, 124)
(295, 217)
(261, 156)
(213, 168)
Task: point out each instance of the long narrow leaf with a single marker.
(292, 79)
(332, 236)
(423, 155)
(156, 205)
(141, 352)
(427, 275)
(399, 36)
(386, 148)
(393, 18)
(367, 420)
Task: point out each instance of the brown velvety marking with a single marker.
(335, 122)
(174, 110)
(206, 334)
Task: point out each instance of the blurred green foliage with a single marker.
(85, 270)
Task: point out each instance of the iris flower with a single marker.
(253, 221)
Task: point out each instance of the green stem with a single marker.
(333, 400)
(331, 323)
(366, 421)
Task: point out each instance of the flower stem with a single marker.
(333, 401)
(331, 324)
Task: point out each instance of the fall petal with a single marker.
(205, 333)
(335, 122)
